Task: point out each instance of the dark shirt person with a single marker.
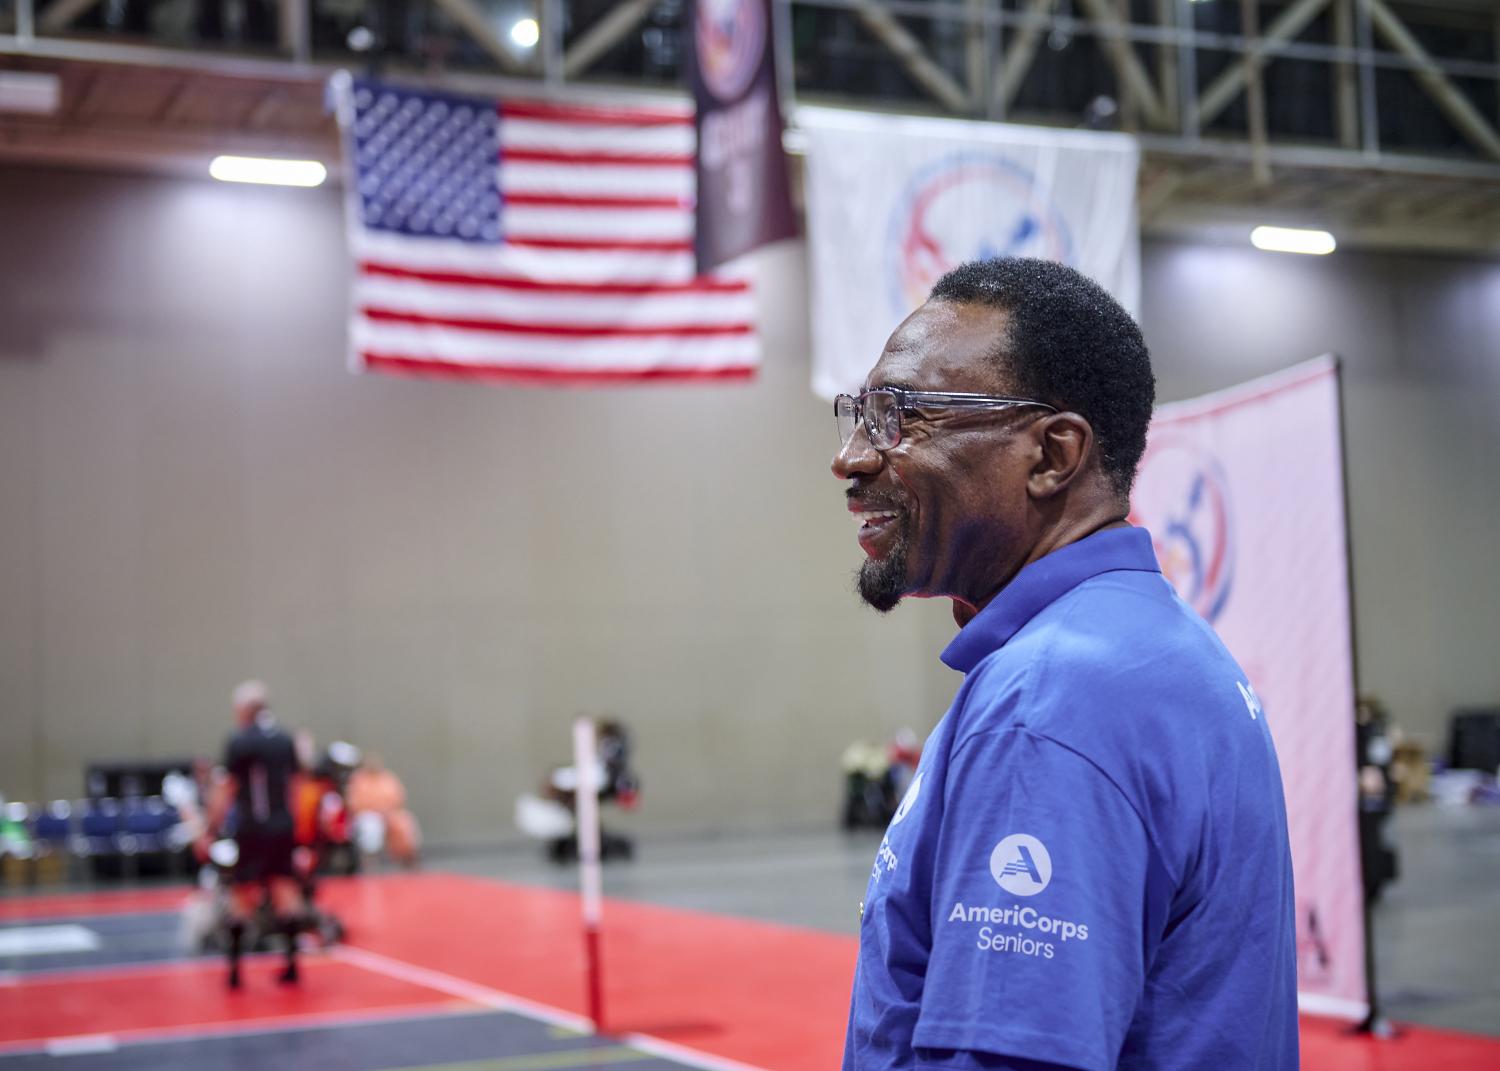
(260, 762)
(1090, 868)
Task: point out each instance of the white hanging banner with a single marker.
(1243, 492)
(893, 202)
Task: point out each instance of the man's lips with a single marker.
(877, 522)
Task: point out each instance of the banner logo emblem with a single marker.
(731, 37)
(1191, 523)
(1021, 865)
(968, 207)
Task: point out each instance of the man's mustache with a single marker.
(873, 500)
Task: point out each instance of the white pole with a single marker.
(586, 808)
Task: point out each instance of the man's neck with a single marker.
(1107, 516)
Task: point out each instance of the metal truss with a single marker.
(1168, 100)
(977, 67)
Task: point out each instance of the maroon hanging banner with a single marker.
(744, 196)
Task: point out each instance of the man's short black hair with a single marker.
(1071, 345)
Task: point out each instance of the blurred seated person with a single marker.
(377, 799)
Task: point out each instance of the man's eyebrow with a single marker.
(893, 384)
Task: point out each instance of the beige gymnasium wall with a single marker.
(194, 490)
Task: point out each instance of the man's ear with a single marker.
(1067, 442)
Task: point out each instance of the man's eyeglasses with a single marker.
(880, 410)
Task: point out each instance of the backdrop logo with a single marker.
(1182, 497)
(731, 37)
(966, 207)
(1021, 865)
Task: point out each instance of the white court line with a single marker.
(1333, 1007)
(83, 1045)
(47, 940)
(494, 998)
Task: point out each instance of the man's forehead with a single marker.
(943, 346)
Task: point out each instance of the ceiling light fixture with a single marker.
(525, 33)
(1292, 240)
(268, 172)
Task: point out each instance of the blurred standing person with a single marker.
(260, 762)
(1375, 747)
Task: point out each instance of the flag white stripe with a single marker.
(580, 137)
(563, 266)
(657, 224)
(525, 177)
(578, 355)
(447, 300)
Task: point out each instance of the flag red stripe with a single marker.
(519, 327)
(564, 200)
(572, 113)
(701, 285)
(589, 159)
(600, 245)
(426, 368)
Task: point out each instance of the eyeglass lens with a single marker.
(882, 418)
(846, 413)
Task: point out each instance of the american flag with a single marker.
(531, 241)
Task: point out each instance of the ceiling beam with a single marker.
(1283, 28)
(911, 55)
(1016, 63)
(60, 14)
(1118, 49)
(1457, 107)
(605, 35)
(477, 25)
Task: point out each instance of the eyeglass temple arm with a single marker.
(918, 398)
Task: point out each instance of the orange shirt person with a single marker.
(374, 791)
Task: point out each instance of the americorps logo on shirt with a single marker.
(908, 800)
(1021, 865)
(886, 859)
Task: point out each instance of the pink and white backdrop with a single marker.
(1243, 492)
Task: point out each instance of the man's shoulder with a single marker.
(1128, 629)
(1118, 653)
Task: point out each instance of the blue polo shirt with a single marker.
(1091, 868)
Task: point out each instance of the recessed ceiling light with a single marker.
(1292, 240)
(268, 172)
(525, 33)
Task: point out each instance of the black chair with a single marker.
(1474, 740)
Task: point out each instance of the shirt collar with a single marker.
(1042, 583)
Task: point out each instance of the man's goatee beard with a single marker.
(882, 581)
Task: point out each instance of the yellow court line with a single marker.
(545, 1061)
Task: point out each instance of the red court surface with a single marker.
(757, 994)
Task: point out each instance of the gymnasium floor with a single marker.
(741, 959)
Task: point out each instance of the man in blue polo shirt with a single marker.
(1090, 869)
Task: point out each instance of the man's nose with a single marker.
(857, 456)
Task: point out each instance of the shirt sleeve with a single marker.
(1041, 890)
